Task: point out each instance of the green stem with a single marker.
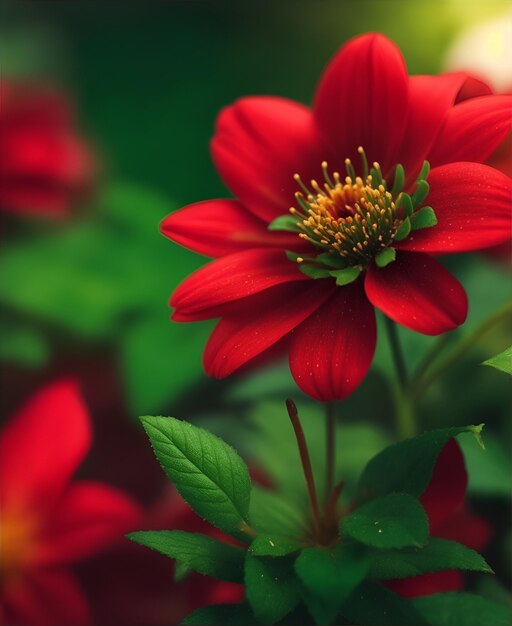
(463, 346)
(306, 465)
(405, 415)
(330, 447)
(431, 356)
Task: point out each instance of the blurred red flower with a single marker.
(449, 518)
(48, 522)
(365, 100)
(44, 165)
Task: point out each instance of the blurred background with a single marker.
(84, 286)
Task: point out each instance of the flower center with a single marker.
(354, 221)
(355, 218)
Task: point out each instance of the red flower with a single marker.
(449, 518)
(44, 165)
(47, 522)
(364, 99)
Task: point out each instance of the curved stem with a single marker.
(404, 406)
(463, 346)
(330, 447)
(431, 357)
(306, 464)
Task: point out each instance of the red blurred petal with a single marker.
(430, 99)
(258, 322)
(46, 597)
(473, 130)
(332, 350)
(473, 206)
(219, 227)
(231, 278)
(427, 584)
(362, 99)
(89, 517)
(43, 445)
(466, 528)
(418, 292)
(260, 143)
(447, 487)
(472, 88)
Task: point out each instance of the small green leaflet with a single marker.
(285, 222)
(423, 218)
(387, 256)
(462, 609)
(314, 271)
(407, 466)
(207, 472)
(502, 361)
(420, 193)
(273, 545)
(403, 230)
(396, 520)
(330, 577)
(438, 555)
(271, 588)
(197, 552)
(346, 276)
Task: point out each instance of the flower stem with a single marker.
(306, 464)
(404, 406)
(330, 447)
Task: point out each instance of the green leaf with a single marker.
(331, 260)
(330, 577)
(462, 609)
(387, 256)
(489, 472)
(438, 555)
(424, 218)
(424, 172)
(396, 520)
(273, 545)
(346, 276)
(502, 361)
(374, 605)
(398, 183)
(403, 230)
(314, 271)
(181, 571)
(407, 466)
(271, 588)
(221, 615)
(22, 344)
(207, 472)
(284, 222)
(420, 193)
(272, 514)
(406, 203)
(197, 552)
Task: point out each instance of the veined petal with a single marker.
(473, 130)
(332, 350)
(89, 517)
(259, 144)
(418, 292)
(258, 322)
(473, 206)
(219, 227)
(232, 277)
(42, 446)
(362, 99)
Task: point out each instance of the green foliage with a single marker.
(462, 609)
(489, 471)
(271, 588)
(207, 472)
(438, 555)
(273, 545)
(196, 552)
(396, 520)
(285, 222)
(345, 276)
(387, 256)
(22, 344)
(329, 577)
(502, 361)
(407, 466)
(423, 218)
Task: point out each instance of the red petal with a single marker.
(89, 517)
(430, 99)
(473, 208)
(258, 322)
(447, 487)
(260, 143)
(472, 88)
(218, 227)
(473, 130)
(466, 528)
(427, 584)
(231, 278)
(418, 292)
(332, 350)
(362, 99)
(43, 445)
(45, 598)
